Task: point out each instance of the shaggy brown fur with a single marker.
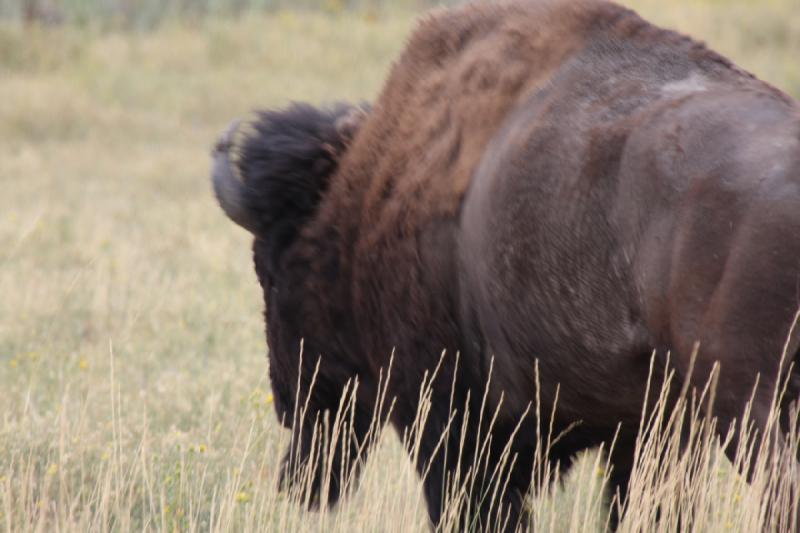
(554, 184)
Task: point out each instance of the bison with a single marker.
(550, 191)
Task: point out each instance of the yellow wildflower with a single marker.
(242, 497)
(52, 470)
(83, 364)
(13, 363)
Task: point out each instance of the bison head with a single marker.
(272, 183)
(269, 177)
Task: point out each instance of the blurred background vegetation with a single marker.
(148, 14)
(144, 14)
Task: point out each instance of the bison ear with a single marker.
(345, 129)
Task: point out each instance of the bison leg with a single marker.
(325, 457)
(463, 493)
(497, 501)
(619, 478)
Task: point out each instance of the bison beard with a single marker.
(546, 189)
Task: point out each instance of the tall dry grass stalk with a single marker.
(682, 480)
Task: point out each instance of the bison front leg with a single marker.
(328, 447)
(474, 480)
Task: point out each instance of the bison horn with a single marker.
(230, 190)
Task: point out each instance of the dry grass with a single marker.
(132, 370)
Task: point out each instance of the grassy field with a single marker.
(133, 390)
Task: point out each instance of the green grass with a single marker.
(133, 385)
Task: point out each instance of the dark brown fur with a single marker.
(562, 187)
